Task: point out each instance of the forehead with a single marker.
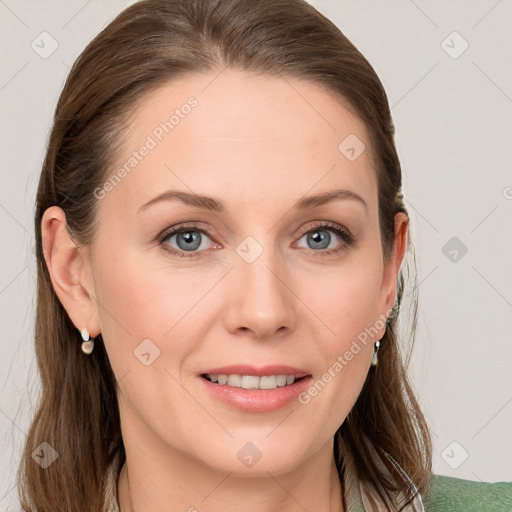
(255, 135)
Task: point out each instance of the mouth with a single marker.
(255, 390)
(253, 382)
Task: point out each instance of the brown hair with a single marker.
(150, 43)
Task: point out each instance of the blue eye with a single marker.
(190, 239)
(319, 238)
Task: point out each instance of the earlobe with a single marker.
(66, 267)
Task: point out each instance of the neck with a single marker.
(281, 493)
(160, 477)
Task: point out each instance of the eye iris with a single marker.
(192, 239)
(318, 238)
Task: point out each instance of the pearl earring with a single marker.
(87, 344)
(375, 358)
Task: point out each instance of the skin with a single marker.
(258, 145)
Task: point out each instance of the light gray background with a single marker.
(454, 122)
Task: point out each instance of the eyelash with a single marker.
(347, 237)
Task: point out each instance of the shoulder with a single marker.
(448, 494)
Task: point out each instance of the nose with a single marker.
(260, 298)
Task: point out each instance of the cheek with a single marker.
(344, 298)
(346, 305)
(135, 304)
(141, 308)
(145, 298)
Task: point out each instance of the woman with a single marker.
(220, 234)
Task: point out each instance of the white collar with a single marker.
(361, 496)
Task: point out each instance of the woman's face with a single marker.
(259, 278)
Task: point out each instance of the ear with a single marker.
(391, 270)
(69, 271)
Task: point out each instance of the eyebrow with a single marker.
(213, 204)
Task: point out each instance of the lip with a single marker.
(247, 369)
(256, 400)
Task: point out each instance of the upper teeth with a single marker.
(253, 382)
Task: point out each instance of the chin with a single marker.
(256, 456)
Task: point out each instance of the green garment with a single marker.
(446, 494)
(457, 495)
